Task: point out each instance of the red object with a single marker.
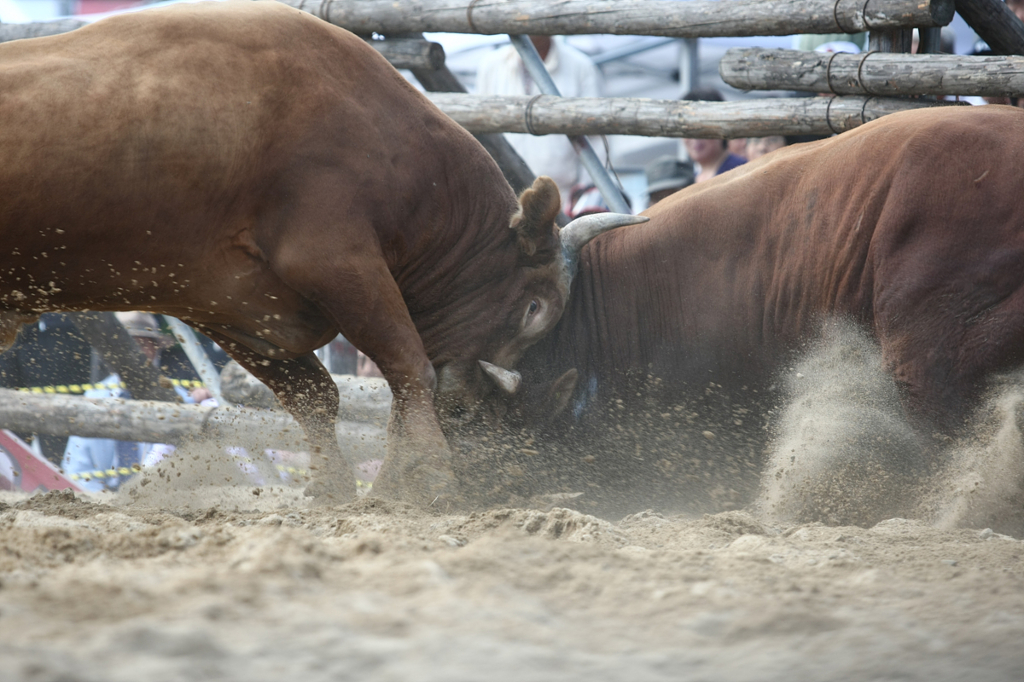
(36, 472)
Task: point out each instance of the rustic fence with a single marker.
(876, 75)
(888, 21)
(695, 19)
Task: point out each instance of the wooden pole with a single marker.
(995, 23)
(667, 118)
(886, 75)
(359, 399)
(696, 19)
(930, 41)
(401, 53)
(890, 40)
(158, 422)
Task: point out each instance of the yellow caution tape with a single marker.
(105, 473)
(135, 468)
(82, 388)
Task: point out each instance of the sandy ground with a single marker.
(191, 573)
(219, 583)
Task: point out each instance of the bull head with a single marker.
(534, 223)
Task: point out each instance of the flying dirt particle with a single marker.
(709, 435)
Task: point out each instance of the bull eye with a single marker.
(533, 307)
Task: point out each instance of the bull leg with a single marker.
(418, 467)
(306, 390)
(353, 288)
(944, 368)
(367, 307)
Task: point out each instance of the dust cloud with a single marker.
(983, 482)
(844, 451)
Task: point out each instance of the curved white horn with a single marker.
(506, 379)
(580, 231)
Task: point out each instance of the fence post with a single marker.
(689, 65)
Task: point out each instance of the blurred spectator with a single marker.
(49, 353)
(711, 156)
(738, 147)
(764, 145)
(85, 455)
(667, 175)
(759, 146)
(174, 362)
(1017, 7)
(502, 73)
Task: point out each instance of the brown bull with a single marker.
(911, 226)
(271, 180)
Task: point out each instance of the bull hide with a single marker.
(678, 334)
(269, 179)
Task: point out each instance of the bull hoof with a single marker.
(329, 491)
(423, 486)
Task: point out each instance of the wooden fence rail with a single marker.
(696, 19)
(160, 422)
(402, 53)
(359, 399)
(880, 74)
(546, 115)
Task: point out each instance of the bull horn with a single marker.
(580, 231)
(506, 379)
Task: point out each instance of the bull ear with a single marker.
(534, 222)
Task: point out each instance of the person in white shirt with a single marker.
(502, 72)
